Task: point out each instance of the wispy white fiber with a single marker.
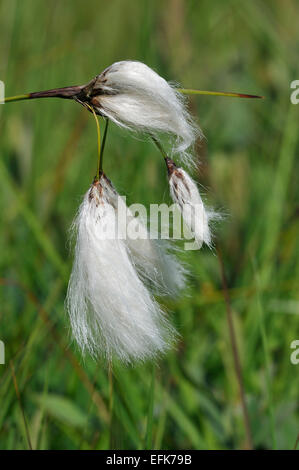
(154, 259)
(111, 311)
(186, 195)
(134, 96)
(157, 266)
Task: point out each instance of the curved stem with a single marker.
(103, 144)
(235, 351)
(99, 167)
(111, 403)
(159, 145)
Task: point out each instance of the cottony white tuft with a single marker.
(134, 96)
(111, 311)
(185, 193)
(153, 258)
(157, 266)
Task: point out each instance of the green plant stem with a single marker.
(296, 443)
(190, 91)
(266, 351)
(67, 92)
(159, 145)
(21, 404)
(236, 357)
(11, 99)
(99, 165)
(110, 378)
(150, 414)
(110, 381)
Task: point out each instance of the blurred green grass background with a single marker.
(48, 160)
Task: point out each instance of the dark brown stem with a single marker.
(237, 363)
(66, 92)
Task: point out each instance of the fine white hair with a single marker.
(111, 311)
(185, 194)
(132, 95)
(157, 266)
(153, 259)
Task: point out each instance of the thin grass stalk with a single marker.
(72, 91)
(21, 404)
(150, 414)
(266, 351)
(161, 427)
(111, 402)
(91, 403)
(228, 94)
(11, 99)
(296, 443)
(99, 165)
(236, 356)
(159, 146)
(110, 380)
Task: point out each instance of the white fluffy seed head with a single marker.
(134, 96)
(154, 259)
(111, 311)
(186, 195)
(157, 266)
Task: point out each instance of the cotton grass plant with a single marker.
(111, 294)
